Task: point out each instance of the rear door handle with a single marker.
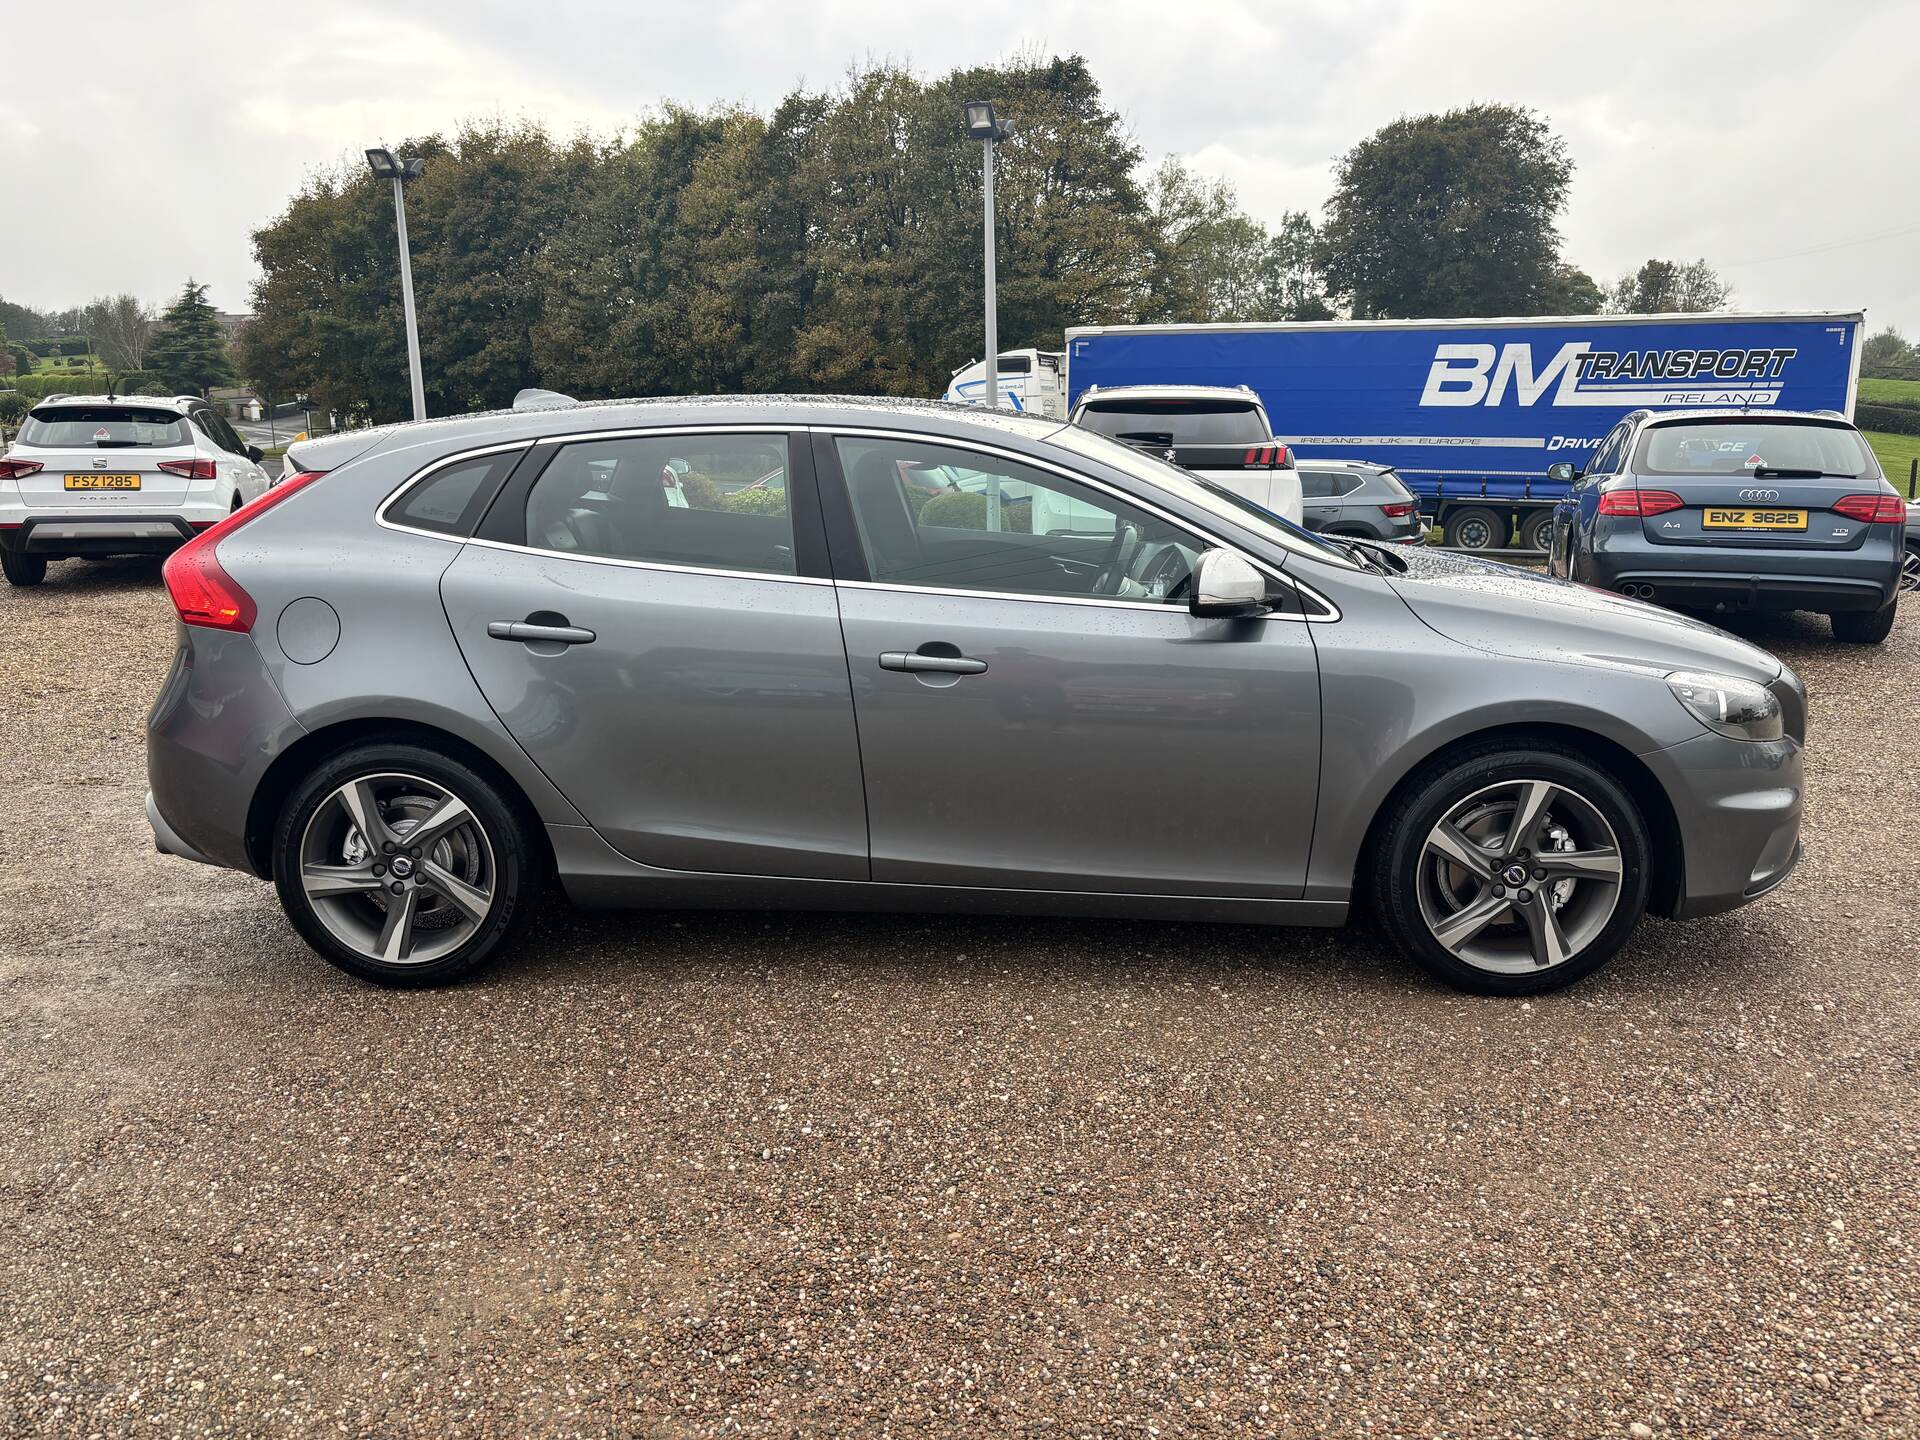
(528, 632)
(944, 664)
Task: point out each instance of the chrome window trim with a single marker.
(753, 427)
(1272, 572)
(658, 565)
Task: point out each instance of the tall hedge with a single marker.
(1888, 419)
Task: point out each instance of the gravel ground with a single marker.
(789, 1175)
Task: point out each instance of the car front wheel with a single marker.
(1910, 570)
(402, 865)
(1511, 871)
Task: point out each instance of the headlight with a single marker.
(1736, 708)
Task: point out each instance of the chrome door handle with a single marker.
(552, 634)
(944, 664)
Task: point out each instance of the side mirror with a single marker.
(1227, 587)
(1563, 471)
(256, 454)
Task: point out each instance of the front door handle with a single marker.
(528, 632)
(943, 664)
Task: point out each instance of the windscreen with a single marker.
(1225, 421)
(1741, 447)
(104, 427)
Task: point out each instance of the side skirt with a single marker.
(594, 874)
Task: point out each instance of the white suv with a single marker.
(133, 475)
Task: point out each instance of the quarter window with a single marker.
(706, 501)
(449, 501)
(948, 518)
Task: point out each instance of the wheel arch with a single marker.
(313, 748)
(1666, 882)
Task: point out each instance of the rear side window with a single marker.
(714, 502)
(449, 501)
(1741, 447)
(1176, 422)
(104, 427)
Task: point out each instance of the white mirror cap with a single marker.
(1229, 579)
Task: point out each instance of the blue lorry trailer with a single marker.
(1472, 412)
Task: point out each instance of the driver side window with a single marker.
(953, 519)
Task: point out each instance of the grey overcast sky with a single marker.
(140, 144)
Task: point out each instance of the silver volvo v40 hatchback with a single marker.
(847, 654)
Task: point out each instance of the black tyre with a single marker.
(403, 865)
(1476, 529)
(1536, 532)
(1511, 870)
(23, 569)
(1864, 627)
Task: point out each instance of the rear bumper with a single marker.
(1726, 578)
(164, 839)
(59, 535)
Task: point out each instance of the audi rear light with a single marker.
(19, 469)
(1398, 509)
(1872, 509)
(189, 469)
(1639, 502)
(201, 590)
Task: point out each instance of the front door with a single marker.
(1036, 707)
(655, 645)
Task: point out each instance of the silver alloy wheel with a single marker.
(1520, 876)
(398, 868)
(1910, 570)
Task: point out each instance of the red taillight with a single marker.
(1639, 502)
(189, 469)
(19, 469)
(1265, 455)
(1872, 509)
(202, 592)
(1398, 509)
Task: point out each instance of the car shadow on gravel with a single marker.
(114, 573)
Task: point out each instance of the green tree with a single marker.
(1443, 215)
(1662, 287)
(189, 346)
(1887, 356)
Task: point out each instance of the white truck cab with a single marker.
(1030, 380)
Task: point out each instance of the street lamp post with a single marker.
(400, 169)
(983, 125)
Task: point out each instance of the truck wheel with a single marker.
(1476, 529)
(23, 569)
(1863, 627)
(1536, 532)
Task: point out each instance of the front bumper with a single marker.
(62, 535)
(1737, 803)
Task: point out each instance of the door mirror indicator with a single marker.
(1226, 586)
(1563, 471)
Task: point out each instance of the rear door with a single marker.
(676, 670)
(1320, 497)
(103, 458)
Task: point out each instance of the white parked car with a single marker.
(130, 475)
(1220, 433)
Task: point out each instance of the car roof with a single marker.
(1170, 392)
(326, 452)
(1321, 462)
(178, 403)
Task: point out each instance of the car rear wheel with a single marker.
(1476, 529)
(1864, 627)
(402, 865)
(23, 569)
(1910, 570)
(1512, 870)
